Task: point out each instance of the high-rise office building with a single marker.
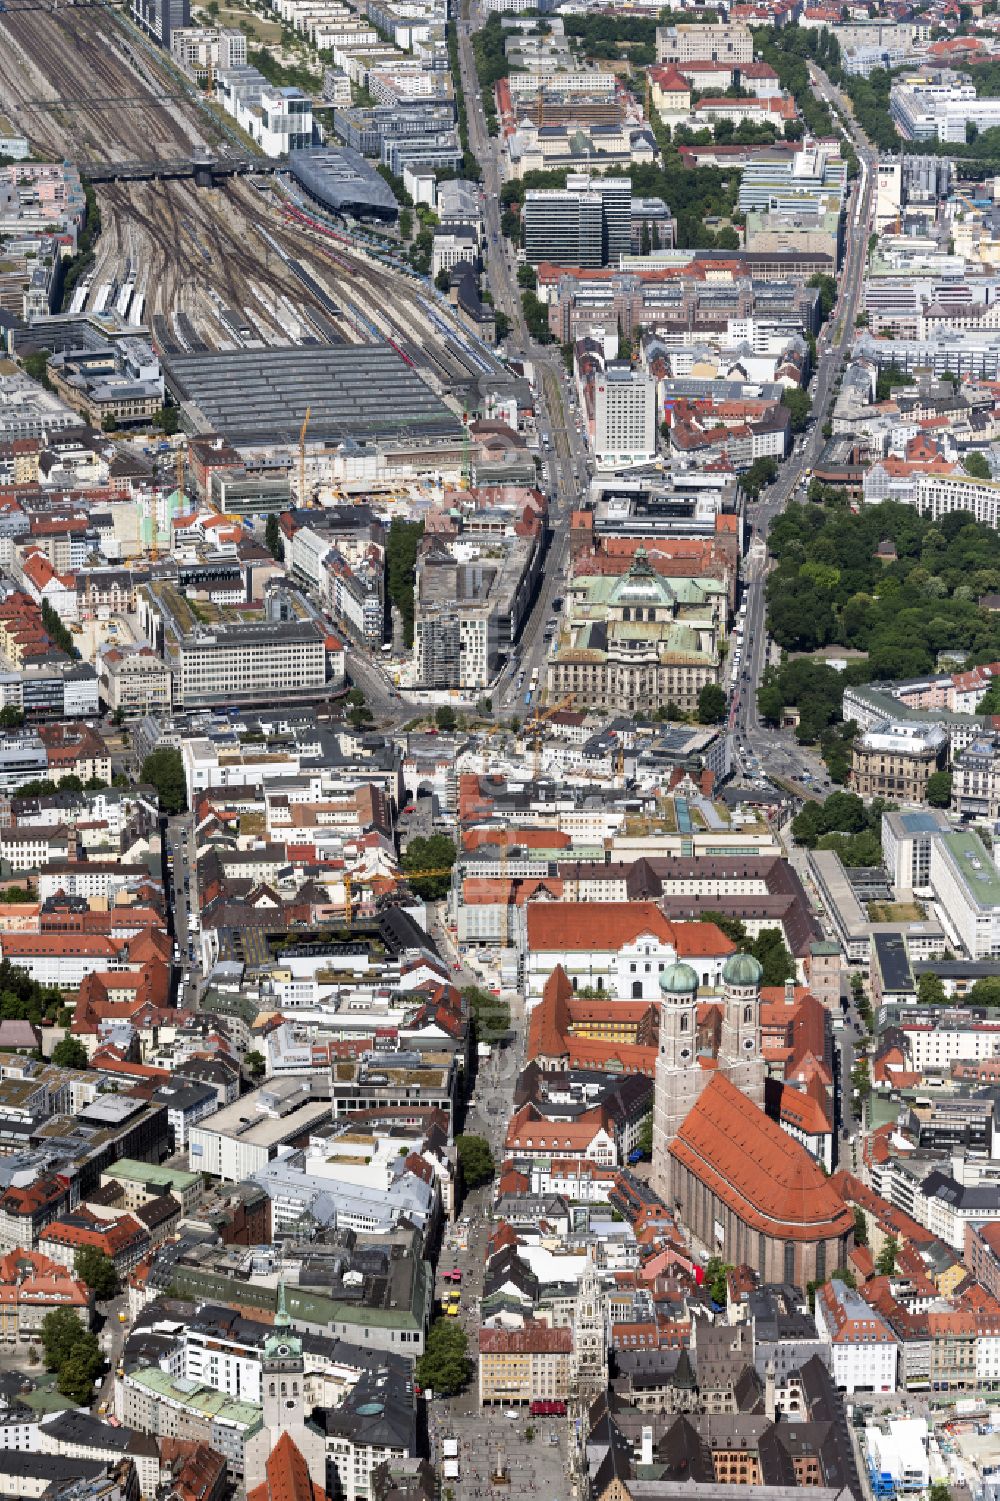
(161, 18)
(588, 223)
(624, 416)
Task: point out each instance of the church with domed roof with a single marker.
(740, 1184)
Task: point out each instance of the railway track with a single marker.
(79, 88)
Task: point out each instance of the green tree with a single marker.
(444, 1366)
(476, 1160)
(167, 420)
(435, 853)
(731, 926)
(941, 1490)
(401, 561)
(827, 293)
(985, 992)
(255, 1064)
(273, 540)
(939, 789)
(359, 715)
(36, 365)
(930, 990)
(164, 770)
(76, 1379)
(70, 1053)
(644, 1138)
(11, 718)
(717, 1280)
(768, 948)
(891, 376)
(762, 472)
(97, 1271)
(860, 1228)
(712, 704)
(885, 1261)
(57, 630)
(799, 406)
(443, 281)
(445, 717)
(60, 1331)
(976, 464)
(490, 1015)
(17, 894)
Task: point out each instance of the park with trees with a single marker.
(829, 587)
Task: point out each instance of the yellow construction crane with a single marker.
(406, 875)
(302, 456)
(534, 729)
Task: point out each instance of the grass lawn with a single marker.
(266, 32)
(895, 912)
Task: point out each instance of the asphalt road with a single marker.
(566, 460)
(182, 893)
(752, 739)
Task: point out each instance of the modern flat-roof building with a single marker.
(588, 223)
(700, 42)
(906, 845)
(200, 50)
(161, 18)
(279, 119)
(966, 885)
(269, 661)
(932, 107)
(242, 1138)
(814, 177)
(624, 416)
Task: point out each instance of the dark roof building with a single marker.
(361, 393)
(341, 180)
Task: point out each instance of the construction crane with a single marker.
(534, 729)
(407, 875)
(302, 456)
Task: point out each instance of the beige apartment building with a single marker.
(896, 761)
(703, 43)
(522, 1365)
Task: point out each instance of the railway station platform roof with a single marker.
(361, 393)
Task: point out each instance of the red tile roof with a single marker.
(288, 1477)
(601, 926)
(748, 1162)
(533, 1339)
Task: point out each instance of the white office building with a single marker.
(966, 887)
(624, 417)
(864, 1352)
(933, 107)
(907, 838)
(279, 120)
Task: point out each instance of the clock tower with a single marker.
(282, 1384)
